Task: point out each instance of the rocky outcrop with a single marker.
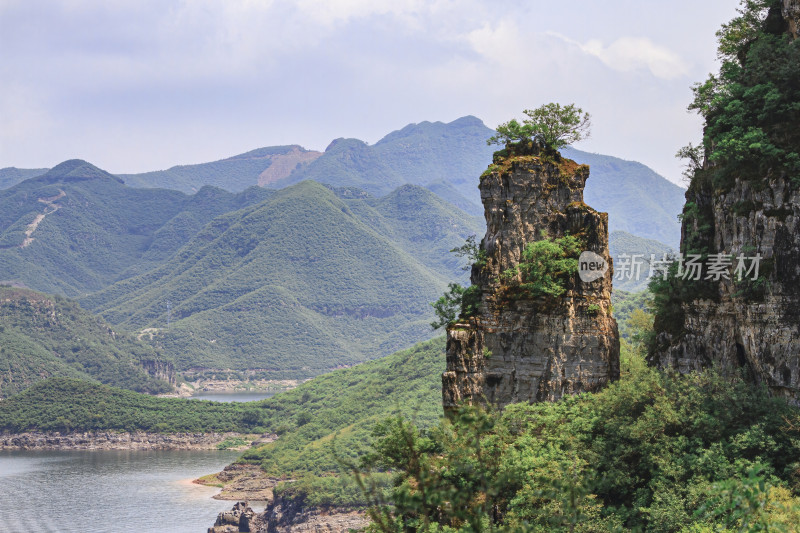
(791, 12)
(520, 349)
(111, 440)
(242, 481)
(294, 515)
(749, 325)
(240, 519)
(288, 516)
(159, 369)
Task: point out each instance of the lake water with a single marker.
(109, 490)
(232, 396)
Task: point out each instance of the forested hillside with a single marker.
(77, 229)
(446, 158)
(43, 336)
(300, 284)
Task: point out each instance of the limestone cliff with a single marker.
(791, 12)
(748, 326)
(744, 325)
(522, 349)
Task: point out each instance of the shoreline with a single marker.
(189, 388)
(124, 440)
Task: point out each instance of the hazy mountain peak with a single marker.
(469, 120)
(78, 169)
(439, 129)
(342, 143)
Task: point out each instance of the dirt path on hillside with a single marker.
(49, 207)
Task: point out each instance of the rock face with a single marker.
(288, 516)
(159, 369)
(518, 349)
(292, 515)
(754, 328)
(240, 519)
(791, 12)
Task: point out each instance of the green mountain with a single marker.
(237, 173)
(77, 228)
(307, 281)
(11, 175)
(43, 336)
(449, 158)
(445, 158)
(632, 257)
(636, 198)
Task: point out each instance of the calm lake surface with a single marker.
(109, 490)
(232, 396)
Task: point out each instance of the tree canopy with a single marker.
(752, 106)
(553, 125)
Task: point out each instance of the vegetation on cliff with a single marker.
(545, 268)
(552, 125)
(751, 106)
(751, 113)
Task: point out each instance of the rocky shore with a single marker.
(110, 440)
(282, 518)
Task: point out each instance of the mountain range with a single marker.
(446, 158)
(76, 229)
(333, 261)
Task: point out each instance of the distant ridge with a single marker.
(256, 167)
(77, 228)
(446, 158)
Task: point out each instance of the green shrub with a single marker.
(546, 267)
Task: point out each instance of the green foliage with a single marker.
(472, 252)
(751, 107)
(625, 305)
(325, 492)
(43, 336)
(460, 302)
(233, 442)
(63, 404)
(448, 306)
(343, 406)
(652, 452)
(546, 267)
(551, 125)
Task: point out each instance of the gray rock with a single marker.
(528, 350)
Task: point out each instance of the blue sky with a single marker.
(136, 85)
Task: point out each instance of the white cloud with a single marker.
(632, 53)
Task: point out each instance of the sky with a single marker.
(138, 85)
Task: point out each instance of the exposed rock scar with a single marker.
(49, 207)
